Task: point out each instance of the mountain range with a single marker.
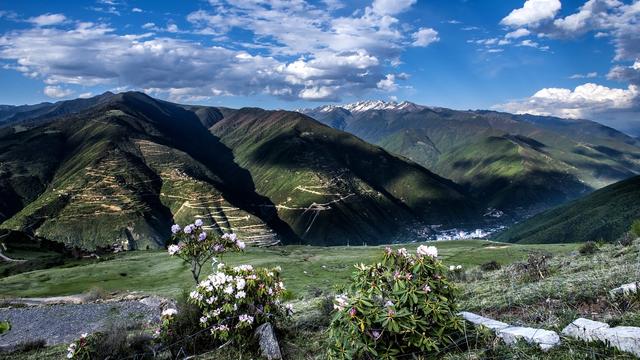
(121, 168)
(521, 164)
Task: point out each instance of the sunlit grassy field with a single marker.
(305, 268)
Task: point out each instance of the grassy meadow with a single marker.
(306, 269)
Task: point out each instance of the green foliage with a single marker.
(604, 214)
(635, 228)
(535, 268)
(490, 266)
(401, 306)
(588, 248)
(180, 330)
(5, 326)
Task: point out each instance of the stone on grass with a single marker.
(584, 329)
(269, 347)
(545, 339)
(484, 321)
(624, 338)
(625, 289)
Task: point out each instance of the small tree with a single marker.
(196, 247)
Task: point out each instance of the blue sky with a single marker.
(566, 58)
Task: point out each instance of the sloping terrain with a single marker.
(120, 169)
(333, 188)
(603, 215)
(540, 161)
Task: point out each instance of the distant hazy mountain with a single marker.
(521, 163)
(603, 215)
(121, 168)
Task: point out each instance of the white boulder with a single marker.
(584, 329)
(625, 289)
(624, 338)
(545, 339)
(484, 321)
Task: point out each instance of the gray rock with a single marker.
(545, 339)
(269, 347)
(584, 329)
(484, 321)
(625, 289)
(624, 338)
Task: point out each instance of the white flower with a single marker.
(246, 318)
(84, 335)
(173, 249)
(175, 228)
(389, 303)
(240, 244)
(169, 312)
(426, 288)
(232, 237)
(341, 301)
(198, 222)
(430, 251)
(216, 312)
(459, 267)
(204, 319)
(228, 290)
(289, 308)
(452, 268)
(241, 295)
(188, 229)
(240, 283)
(212, 299)
(202, 236)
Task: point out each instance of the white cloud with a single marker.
(388, 83)
(584, 101)
(136, 10)
(584, 76)
(391, 7)
(47, 19)
(533, 12)
(85, 95)
(57, 92)
(636, 65)
(533, 44)
(522, 32)
(425, 37)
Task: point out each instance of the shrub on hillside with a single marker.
(236, 300)
(588, 248)
(180, 331)
(535, 268)
(490, 266)
(5, 326)
(111, 344)
(635, 229)
(400, 306)
(626, 239)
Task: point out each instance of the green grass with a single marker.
(325, 267)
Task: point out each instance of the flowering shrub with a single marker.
(402, 305)
(235, 300)
(195, 246)
(164, 333)
(84, 347)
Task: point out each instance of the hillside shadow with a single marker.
(188, 134)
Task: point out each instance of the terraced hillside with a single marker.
(333, 188)
(519, 163)
(120, 169)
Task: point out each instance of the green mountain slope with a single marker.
(603, 215)
(332, 187)
(120, 169)
(541, 161)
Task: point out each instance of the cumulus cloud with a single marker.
(57, 92)
(392, 7)
(518, 33)
(299, 50)
(533, 12)
(47, 19)
(424, 37)
(585, 101)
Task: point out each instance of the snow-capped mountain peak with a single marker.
(362, 106)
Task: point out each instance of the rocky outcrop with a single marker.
(269, 347)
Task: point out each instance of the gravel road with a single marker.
(58, 324)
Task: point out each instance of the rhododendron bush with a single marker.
(401, 306)
(235, 300)
(197, 247)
